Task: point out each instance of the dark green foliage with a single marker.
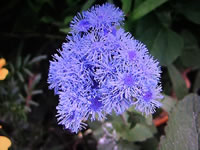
(178, 82)
(32, 30)
(183, 127)
(17, 90)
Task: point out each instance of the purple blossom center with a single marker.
(147, 96)
(96, 104)
(105, 31)
(114, 31)
(85, 24)
(131, 55)
(72, 115)
(100, 17)
(129, 80)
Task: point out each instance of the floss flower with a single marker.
(101, 68)
(98, 17)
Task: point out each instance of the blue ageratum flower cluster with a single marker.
(101, 68)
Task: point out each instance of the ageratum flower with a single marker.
(98, 17)
(101, 68)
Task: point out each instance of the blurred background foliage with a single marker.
(32, 30)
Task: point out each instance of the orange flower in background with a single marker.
(3, 71)
(5, 142)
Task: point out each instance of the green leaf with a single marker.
(137, 3)
(37, 59)
(167, 46)
(150, 144)
(125, 145)
(12, 69)
(126, 5)
(139, 133)
(28, 72)
(197, 83)
(149, 119)
(19, 62)
(163, 43)
(191, 51)
(36, 92)
(168, 103)
(26, 59)
(164, 18)
(26, 89)
(20, 76)
(146, 7)
(147, 28)
(67, 20)
(135, 118)
(190, 9)
(47, 19)
(31, 102)
(64, 30)
(36, 81)
(178, 82)
(27, 109)
(183, 129)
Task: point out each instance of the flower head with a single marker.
(98, 17)
(101, 68)
(146, 101)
